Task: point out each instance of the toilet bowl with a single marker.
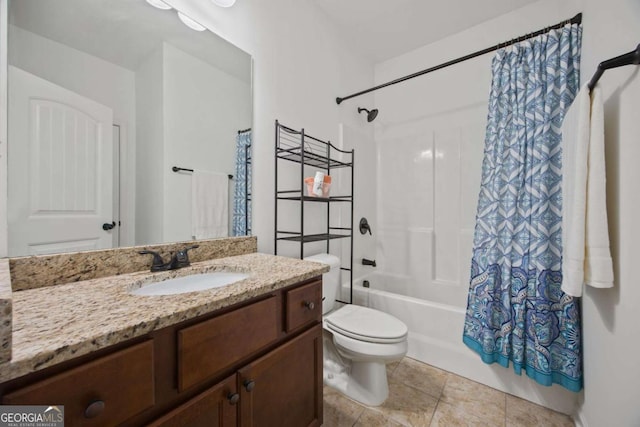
(358, 342)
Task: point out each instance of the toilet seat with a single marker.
(366, 324)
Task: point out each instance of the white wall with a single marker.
(609, 322)
(300, 66)
(610, 316)
(203, 110)
(3, 129)
(79, 72)
(149, 157)
(430, 139)
(189, 113)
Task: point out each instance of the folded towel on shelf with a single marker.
(586, 257)
(209, 205)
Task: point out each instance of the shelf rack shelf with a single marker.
(318, 199)
(314, 237)
(299, 147)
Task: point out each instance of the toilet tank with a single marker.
(330, 280)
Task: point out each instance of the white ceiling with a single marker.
(124, 32)
(384, 29)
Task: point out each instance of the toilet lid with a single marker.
(366, 324)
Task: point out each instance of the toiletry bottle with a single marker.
(326, 186)
(317, 183)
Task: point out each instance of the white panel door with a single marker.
(60, 168)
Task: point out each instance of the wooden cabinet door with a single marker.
(103, 392)
(284, 388)
(216, 407)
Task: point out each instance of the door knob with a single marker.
(106, 226)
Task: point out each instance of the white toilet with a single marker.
(358, 342)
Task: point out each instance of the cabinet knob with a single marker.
(249, 385)
(310, 305)
(233, 398)
(94, 409)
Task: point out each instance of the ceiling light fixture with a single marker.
(159, 4)
(224, 3)
(190, 22)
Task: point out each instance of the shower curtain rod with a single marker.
(575, 20)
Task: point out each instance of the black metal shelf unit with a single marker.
(296, 146)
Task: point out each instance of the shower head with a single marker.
(371, 115)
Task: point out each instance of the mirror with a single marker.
(105, 99)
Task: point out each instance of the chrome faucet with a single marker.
(178, 260)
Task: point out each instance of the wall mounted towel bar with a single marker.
(630, 58)
(177, 169)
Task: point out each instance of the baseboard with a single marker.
(579, 418)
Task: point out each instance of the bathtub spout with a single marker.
(365, 261)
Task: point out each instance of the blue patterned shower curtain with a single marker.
(516, 311)
(241, 204)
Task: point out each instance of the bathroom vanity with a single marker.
(248, 354)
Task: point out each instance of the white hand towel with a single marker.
(586, 257)
(209, 205)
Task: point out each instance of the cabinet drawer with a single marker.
(211, 346)
(304, 305)
(122, 381)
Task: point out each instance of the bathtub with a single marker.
(435, 338)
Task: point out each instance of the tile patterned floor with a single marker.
(423, 396)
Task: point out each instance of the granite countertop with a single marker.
(58, 323)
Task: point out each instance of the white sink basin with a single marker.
(193, 283)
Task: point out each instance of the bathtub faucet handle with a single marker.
(364, 226)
